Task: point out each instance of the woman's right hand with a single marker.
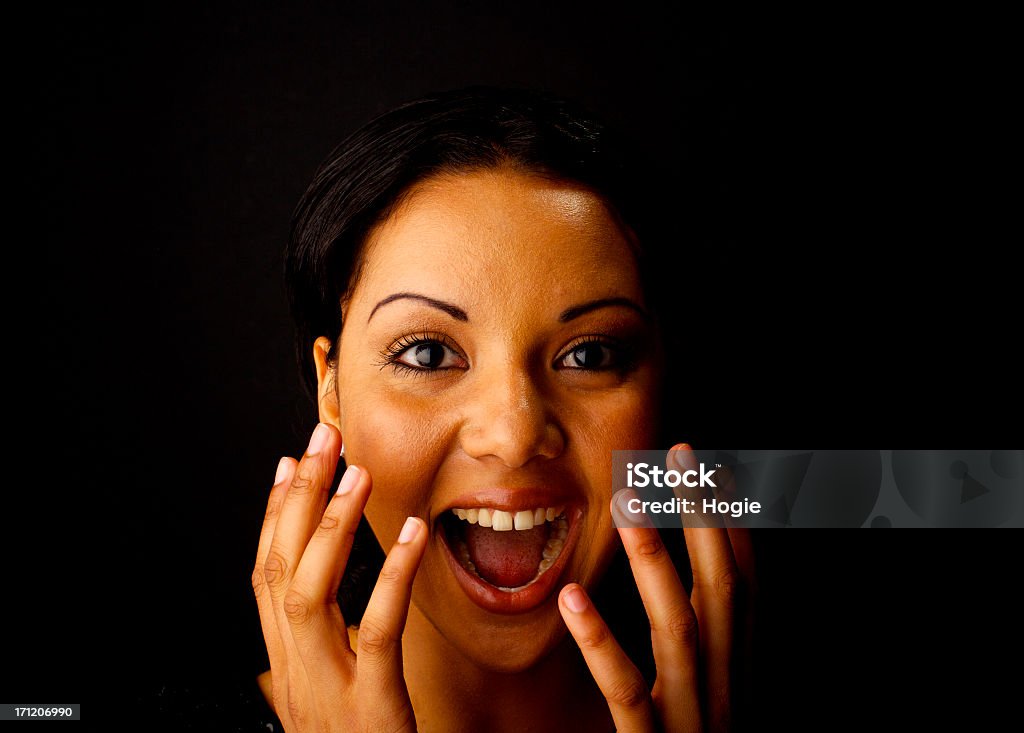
(319, 683)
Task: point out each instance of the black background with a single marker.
(842, 181)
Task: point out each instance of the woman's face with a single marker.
(495, 351)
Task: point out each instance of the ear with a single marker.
(326, 384)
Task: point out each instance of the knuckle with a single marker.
(725, 584)
(594, 637)
(628, 691)
(303, 483)
(651, 549)
(259, 582)
(328, 524)
(374, 638)
(680, 625)
(273, 509)
(275, 571)
(297, 608)
(390, 575)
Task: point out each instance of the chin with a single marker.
(515, 650)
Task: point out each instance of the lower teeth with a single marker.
(552, 549)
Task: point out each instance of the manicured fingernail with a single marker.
(621, 512)
(282, 471)
(409, 531)
(626, 496)
(575, 601)
(679, 453)
(349, 479)
(319, 439)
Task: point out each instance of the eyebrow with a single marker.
(453, 310)
(578, 310)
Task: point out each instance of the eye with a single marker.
(429, 355)
(592, 355)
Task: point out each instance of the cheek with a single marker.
(621, 420)
(401, 444)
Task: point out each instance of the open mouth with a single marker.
(508, 561)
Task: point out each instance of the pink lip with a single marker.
(493, 599)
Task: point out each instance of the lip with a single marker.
(491, 598)
(510, 500)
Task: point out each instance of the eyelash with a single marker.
(390, 355)
(621, 357)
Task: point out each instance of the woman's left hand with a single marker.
(693, 637)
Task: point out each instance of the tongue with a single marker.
(506, 559)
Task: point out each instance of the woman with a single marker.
(474, 298)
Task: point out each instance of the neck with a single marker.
(451, 693)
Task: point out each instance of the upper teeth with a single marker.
(503, 521)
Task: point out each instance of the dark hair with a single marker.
(365, 177)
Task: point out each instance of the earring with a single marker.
(342, 454)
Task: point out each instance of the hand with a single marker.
(692, 638)
(319, 683)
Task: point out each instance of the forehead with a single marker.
(499, 233)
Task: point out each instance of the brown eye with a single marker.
(590, 355)
(429, 355)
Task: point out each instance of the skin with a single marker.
(510, 406)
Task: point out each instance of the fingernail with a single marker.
(319, 439)
(282, 471)
(626, 496)
(621, 513)
(575, 601)
(349, 479)
(409, 531)
(678, 454)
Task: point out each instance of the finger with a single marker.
(276, 650)
(617, 677)
(379, 652)
(726, 491)
(622, 515)
(691, 492)
(715, 582)
(311, 602)
(743, 644)
(674, 629)
(285, 470)
(301, 510)
(716, 586)
(739, 538)
(283, 477)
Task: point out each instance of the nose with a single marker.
(509, 418)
